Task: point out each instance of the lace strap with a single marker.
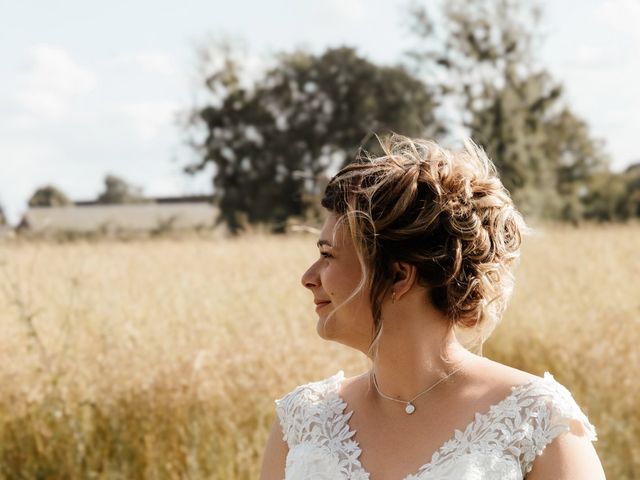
(285, 409)
(550, 415)
(299, 409)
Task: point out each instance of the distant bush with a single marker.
(49, 196)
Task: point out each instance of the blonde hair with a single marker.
(445, 212)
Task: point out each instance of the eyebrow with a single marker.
(322, 242)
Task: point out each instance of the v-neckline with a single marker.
(457, 434)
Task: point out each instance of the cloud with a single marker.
(596, 58)
(52, 80)
(155, 62)
(347, 8)
(589, 56)
(69, 123)
(149, 118)
(341, 10)
(622, 16)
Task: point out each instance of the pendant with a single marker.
(409, 408)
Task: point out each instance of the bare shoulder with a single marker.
(351, 382)
(568, 456)
(498, 374)
(488, 380)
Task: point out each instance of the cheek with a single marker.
(330, 282)
(342, 286)
(334, 282)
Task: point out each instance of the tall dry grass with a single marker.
(161, 359)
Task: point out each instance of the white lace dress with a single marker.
(500, 444)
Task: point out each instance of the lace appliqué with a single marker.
(316, 430)
(550, 416)
(499, 444)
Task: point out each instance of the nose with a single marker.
(310, 278)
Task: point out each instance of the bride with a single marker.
(415, 257)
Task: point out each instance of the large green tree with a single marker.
(480, 56)
(273, 141)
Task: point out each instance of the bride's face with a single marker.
(332, 279)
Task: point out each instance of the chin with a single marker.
(321, 328)
(327, 331)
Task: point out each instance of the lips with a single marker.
(321, 303)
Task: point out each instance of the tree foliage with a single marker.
(272, 142)
(49, 196)
(118, 191)
(275, 140)
(480, 55)
(614, 196)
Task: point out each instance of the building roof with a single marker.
(131, 217)
(181, 199)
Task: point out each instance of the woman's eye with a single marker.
(325, 254)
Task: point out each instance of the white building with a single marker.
(161, 214)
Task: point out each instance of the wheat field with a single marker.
(161, 359)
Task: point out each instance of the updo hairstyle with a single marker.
(445, 212)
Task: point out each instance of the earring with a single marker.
(393, 297)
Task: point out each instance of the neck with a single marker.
(416, 350)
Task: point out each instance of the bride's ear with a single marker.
(404, 276)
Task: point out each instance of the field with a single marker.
(161, 359)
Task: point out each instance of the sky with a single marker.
(92, 88)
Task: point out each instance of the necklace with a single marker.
(410, 408)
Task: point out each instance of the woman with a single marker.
(414, 268)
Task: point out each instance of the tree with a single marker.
(118, 190)
(614, 196)
(3, 218)
(605, 198)
(49, 196)
(631, 208)
(480, 57)
(272, 142)
(576, 158)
